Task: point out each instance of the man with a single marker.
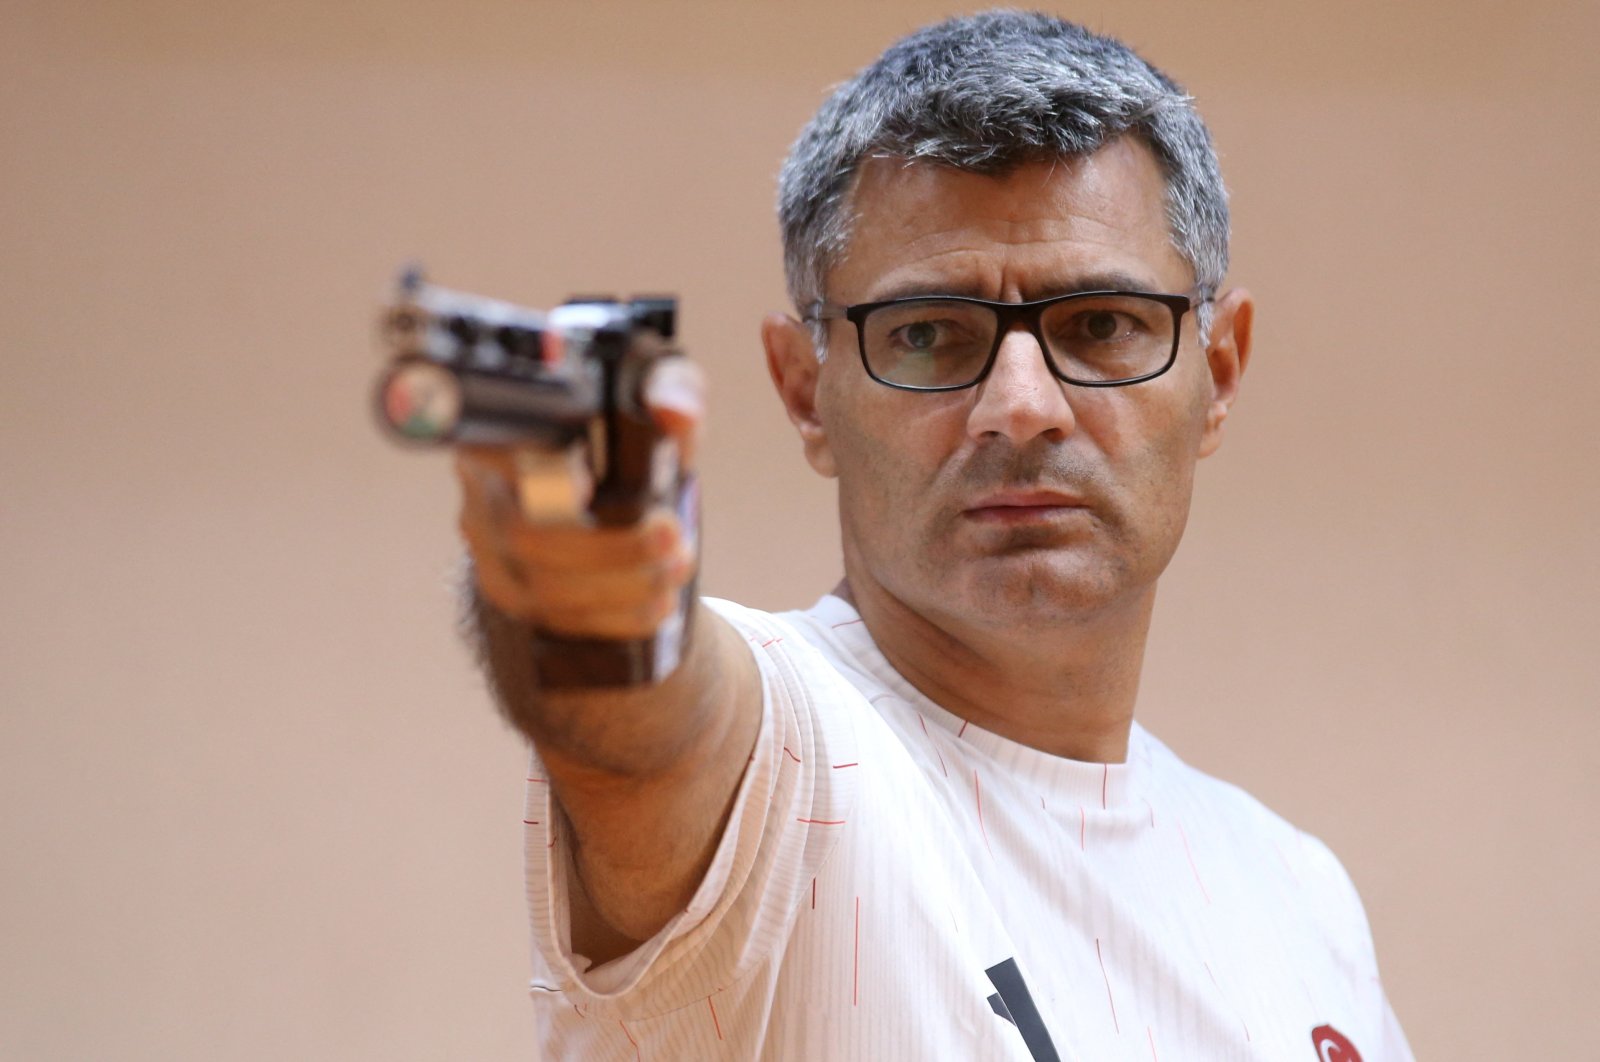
(919, 821)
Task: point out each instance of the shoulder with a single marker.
(802, 644)
(758, 625)
(1206, 793)
(1233, 816)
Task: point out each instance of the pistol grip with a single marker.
(563, 662)
(636, 467)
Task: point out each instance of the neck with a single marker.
(1065, 689)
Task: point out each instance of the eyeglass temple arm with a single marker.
(823, 311)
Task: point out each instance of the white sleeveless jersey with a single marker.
(896, 885)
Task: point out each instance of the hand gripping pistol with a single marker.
(564, 389)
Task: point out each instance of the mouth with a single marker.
(1023, 506)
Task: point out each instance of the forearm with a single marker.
(625, 731)
(644, 775)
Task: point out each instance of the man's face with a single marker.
(1022, 500)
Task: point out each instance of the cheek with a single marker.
(872, 464)
(1152, 449)
(880, 437)
(888, 455)
(1171, 421)
(858, 456)
(1169, 474)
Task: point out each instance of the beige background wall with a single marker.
(253, 802)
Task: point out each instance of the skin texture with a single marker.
(1028, 619)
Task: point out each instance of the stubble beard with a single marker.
(1025, 577)
(955, 572)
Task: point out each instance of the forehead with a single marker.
(1032, 231)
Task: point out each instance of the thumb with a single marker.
(676, 396)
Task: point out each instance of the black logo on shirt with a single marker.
(1014, 1003)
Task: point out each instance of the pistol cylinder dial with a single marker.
(420, 400)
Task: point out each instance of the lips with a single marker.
(1023, 505)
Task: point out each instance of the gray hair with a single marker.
(986, 93)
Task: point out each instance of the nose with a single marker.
(1020, 399)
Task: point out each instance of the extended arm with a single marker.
(645, 775)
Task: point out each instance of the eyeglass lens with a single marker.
(946, 342)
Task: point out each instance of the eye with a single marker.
(928, 335)
(920, 336)
(1101, 324)
(1112, 323)
(926, 332)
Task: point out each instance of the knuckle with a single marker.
(504, 595)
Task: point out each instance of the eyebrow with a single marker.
(1107, 281)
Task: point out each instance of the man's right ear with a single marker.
(796, 373)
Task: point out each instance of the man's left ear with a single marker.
(1227, 353)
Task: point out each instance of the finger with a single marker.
(568, 577)
(489, 497)
(486, 484)
(565, 589)
(657, 537)
(526, 581)
(546, 485)
(641, 620)
(487, 461)
(502, 589)
(633, 617)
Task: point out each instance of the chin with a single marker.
(1028, 589)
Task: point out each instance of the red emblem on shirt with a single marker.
(1333, 1045)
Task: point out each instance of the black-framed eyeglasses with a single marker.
(949, 342)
